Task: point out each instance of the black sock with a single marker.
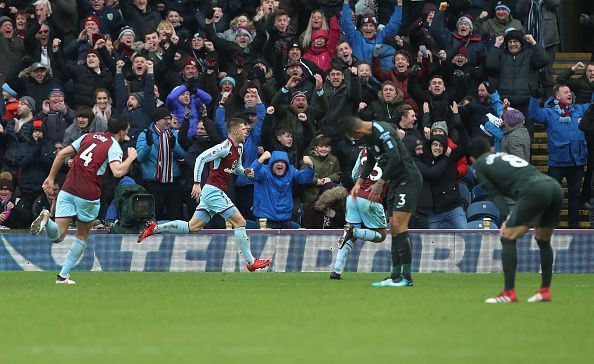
(546, 262)
(405, 252)
(396, 263)
(509, 260)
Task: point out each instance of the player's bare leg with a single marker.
(542, 235)
(196, 223)
(243, 241)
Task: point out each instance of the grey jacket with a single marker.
(516, 141)
(548, 21)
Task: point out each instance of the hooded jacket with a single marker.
(273, 197)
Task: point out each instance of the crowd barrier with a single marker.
(293, 251)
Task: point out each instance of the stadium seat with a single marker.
(479, 194)
(464, 194)
(478, 224)
(469, 179)
(479, 210)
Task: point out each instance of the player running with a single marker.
(385, 147)
(80, 194)
(538, 200)
(226, 160)
(361, 211)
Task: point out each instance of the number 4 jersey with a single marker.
(93, 154)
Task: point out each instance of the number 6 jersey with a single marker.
(93, 153)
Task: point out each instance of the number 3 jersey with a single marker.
(93, 153)
(375, 175)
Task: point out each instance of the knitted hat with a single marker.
(244, 30)
(440, 125)
(38, 125)
(442, 139)
(297, 94)
(368, 18)
(250, 111)
(513, 33)
(28, 100)
(160, 113)
(139, 96)
(502, 5)
(125, 30)
(463, 51)
(56, 90)
(225, 79)
(4, 19)
(465, 19)
(6, 87)
(190, 61)
(95, 52)
(513, 117)
(319, 33)
(94, 19)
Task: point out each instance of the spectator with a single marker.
(323, 45)
(141, 16)
(9, 102)
(11, 47)
(139, 106)
(474, 113)
(273, 184)
(78, 48)
(16, 131)
(7, 199)
(328, 211)
(499, 23)
(185, 102)
(280, 34)
(103, 101)
(566, 143)
(517, 67)
(110, 19)
(327, 170)
(370, 86)
(461, 77)
(364, 40)
(386, 108)
(58, 116)
(21, 23)
(406, 120)
(582, 86)
(240, 21)
(317, 21)
(85, 122)
(34, 81)
(158, 153)
(344, 58)
(516, 139)
(420, 30)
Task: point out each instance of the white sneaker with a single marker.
(62, 280)
(39, 223)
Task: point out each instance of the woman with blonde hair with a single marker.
(240, 21)
(317, 21)
(165, 30)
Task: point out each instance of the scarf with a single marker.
(164, 172)
(563, 110)
(104, 114)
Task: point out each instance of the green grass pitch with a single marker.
(290, 318)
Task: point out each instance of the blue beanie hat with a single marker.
(225, 79)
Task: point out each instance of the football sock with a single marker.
(546, 262)
(396, 264)
(52, 230)
(405, 252)
(342, 256)
(509, 261)
(173, 227)
(366, 234)
(242, 240)
(76, 251)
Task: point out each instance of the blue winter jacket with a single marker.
(363, 48)
(250, 145)
(273, 195)
(147, 154)
(567, 143)
(177, 108)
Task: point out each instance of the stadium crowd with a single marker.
(441, 72)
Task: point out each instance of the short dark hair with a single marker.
(351, 124)
(479, 146)
(437, 76)
(85, 112)
(115, 124)
(402, 111)
(281, 131)
(232, 123)
(405, 54)
(558, 87)
(280, 12)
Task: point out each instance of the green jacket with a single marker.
(493, 27)
(325, 167)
